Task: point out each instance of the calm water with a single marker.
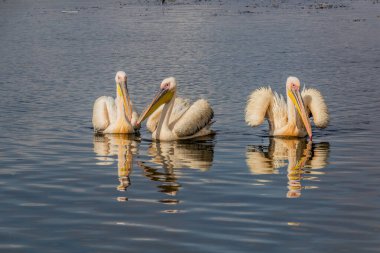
(65, 190)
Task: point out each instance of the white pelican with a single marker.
(182, 122)
(282, 116)
(115, 115)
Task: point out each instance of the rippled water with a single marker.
(65, 190)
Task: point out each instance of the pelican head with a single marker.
(122, 91)
(293, 92)
(167, 90)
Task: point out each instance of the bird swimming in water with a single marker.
(174, 118)
(115, 115)
(288, 118)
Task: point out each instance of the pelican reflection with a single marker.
(182, 154)
(121, 145)
(301, 157)
(167, 158)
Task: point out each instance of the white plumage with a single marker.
(115, 115)
(194, 120)
(104, 112)
(287, 117)
(176, 119)
(316, 106)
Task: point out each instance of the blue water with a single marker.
(63, 189)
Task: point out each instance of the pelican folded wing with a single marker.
(197, 117)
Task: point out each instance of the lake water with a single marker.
(63, 189)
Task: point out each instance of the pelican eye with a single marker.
(294, 86)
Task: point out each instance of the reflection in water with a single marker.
(121, 145)
(175, 155)
(301, 157)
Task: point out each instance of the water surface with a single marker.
(64, 189)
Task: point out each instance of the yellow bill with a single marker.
(123, 92)
(296, 98)
(162, 97)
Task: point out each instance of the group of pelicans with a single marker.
(172, 118)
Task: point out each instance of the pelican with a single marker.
(176, 120)
(115, 115)
(287, 118)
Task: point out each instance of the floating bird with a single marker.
(176, 120)
(287, 118)
(115, 115)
